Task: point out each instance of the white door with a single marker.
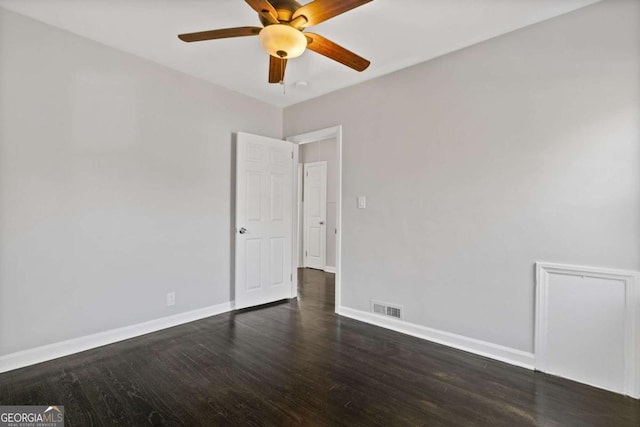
(264, 233)
(315, 214)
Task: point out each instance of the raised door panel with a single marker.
(278, 197)
(277, 264)
(253, 264)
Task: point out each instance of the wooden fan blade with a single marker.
(276, 69)
(264, 8)
(326, 47)
(320, 10)
(220, 34)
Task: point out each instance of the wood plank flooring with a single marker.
(297, 363)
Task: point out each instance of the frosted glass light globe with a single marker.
(283, 41)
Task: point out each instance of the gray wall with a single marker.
(115, 186)
(115, 178)
(479, 163)
(326, 151)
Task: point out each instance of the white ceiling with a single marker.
(392, 34)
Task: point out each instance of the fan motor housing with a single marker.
(285, 10)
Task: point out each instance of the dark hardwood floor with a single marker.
(297, 363)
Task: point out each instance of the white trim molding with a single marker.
(631, 281)
(44, 353)
(329, 269)
(508, 355)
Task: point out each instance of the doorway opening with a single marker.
(317, 231)
(318, 203)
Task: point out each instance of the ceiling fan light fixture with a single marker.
(283, 41)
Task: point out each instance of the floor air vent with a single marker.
(386, 309)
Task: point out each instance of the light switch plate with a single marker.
(362, 202)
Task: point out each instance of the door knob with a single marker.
(242, 230)
(321, 222)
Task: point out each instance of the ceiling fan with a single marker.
(282, 36)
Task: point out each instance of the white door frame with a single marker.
(299, 216)
(334, 132)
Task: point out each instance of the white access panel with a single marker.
(586, 326)
(585, 339)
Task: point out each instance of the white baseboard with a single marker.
(471, 345)
(329, 269)
(32, 356)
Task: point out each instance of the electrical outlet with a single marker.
(171, 299)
